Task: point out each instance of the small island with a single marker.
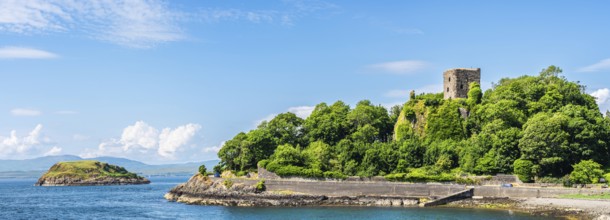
(88, 173)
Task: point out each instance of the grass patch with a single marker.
(88, 169)
(604, 196)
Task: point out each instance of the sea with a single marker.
(20, 199)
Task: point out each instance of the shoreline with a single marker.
(548, 207)
(200, 190)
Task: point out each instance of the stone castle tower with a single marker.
(456, 81)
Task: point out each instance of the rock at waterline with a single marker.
(88, 173)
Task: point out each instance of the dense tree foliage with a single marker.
(586, 171)
(533, 126)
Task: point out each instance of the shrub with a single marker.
(335, 175)
(395, 176)
(217, 169)
(202, 170)
(468, 181)
(262, 163)
(607, 177)
(523, 169)
(241, 173)
(423, 174)
(227, 183)
(260, 186)
(586, 171)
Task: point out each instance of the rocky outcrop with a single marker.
(98, 181)
(88, 173)
(203, 190)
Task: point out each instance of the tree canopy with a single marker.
(533, 126)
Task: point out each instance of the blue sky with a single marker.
(169, 81)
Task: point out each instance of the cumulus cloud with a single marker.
(24, 53)
(133, 23)
(596, 67)
(401, 66)
(300, 111)
(18, 147)
(25, 112)
(53, 151)
(171, 140)
(213, 149)
(601, 95)
(145, 142)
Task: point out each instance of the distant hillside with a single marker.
(33, 168)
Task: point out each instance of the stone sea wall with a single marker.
(355, 188)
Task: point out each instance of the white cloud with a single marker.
(19, 147)
(24, 53)
(144, 142)
(25, 112)
(139, 135)
(302, 111)
(601, 98)
(171, 140)
(133, 23)
(292, 10)
(599, 66)
(213, 149)
(216, 15)
(53, 151)
(401, 66)
(266, 118)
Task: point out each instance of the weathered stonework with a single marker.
(456, 82)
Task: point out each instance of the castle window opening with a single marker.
(461, 86)
(447, 89)
(449, 79)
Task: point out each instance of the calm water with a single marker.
(19, 199)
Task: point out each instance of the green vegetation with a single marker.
(227, 183)
(591, 197)
(203, 170)
(217, 169)
(587, 171)
(86, 169)
(260, 186)
(534, 126)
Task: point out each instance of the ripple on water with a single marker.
(19, 199)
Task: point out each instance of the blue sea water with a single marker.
(19, 199)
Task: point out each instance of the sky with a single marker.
(169, 81)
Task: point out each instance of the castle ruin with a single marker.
(456, 82)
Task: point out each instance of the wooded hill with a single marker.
(534, 126)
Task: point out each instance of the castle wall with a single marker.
(456, 82)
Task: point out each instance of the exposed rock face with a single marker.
(205, 191)
(98, 181)
(88, 173)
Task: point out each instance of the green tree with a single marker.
(203, 170)
(317, 156)
(327, 124)
(586, 171)
(475, 94)
(524, 170)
